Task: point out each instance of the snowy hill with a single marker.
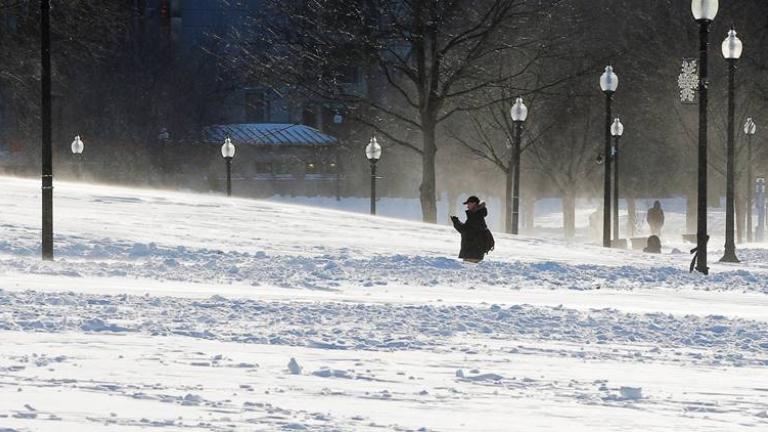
(182, 311)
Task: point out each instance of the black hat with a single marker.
(472, 199)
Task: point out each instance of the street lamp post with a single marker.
(77, 151)
(749, 130)
(338, 119)
(704, 11)
(617, 129)
(731, 51)
(228, 152)
(608, 83)
(45, 115)
(519, 113)
(373, 153)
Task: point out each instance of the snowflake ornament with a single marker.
(688, 81)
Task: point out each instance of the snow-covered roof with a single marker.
(268, 134)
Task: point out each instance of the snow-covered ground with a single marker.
(171, 311)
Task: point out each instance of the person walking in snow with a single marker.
(655, 218)
(476, 238)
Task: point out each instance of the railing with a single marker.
(288, 177)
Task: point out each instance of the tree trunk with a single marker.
(741, 215)
(631, 216)
(427, 193)
(508, 201)
(569, 214)
(529, 211)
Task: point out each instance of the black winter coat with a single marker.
(473, 239)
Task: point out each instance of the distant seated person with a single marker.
(653, 245)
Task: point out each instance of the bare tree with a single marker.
(424, 60)
(490, 137)
(115, 81)
(567, 156)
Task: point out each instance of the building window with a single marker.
(11, 21)
(262, 167)
(283, 167)
(256, 107)
(331, 167)
(311, 168)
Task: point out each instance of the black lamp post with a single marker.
(373, 153)
(704, 11)
(77, 151)
(47, 159)
(749, 130)
(731, 51)
(338, 119)
(519, 113)
(617, 129)
(608, 83)
(228, 152)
